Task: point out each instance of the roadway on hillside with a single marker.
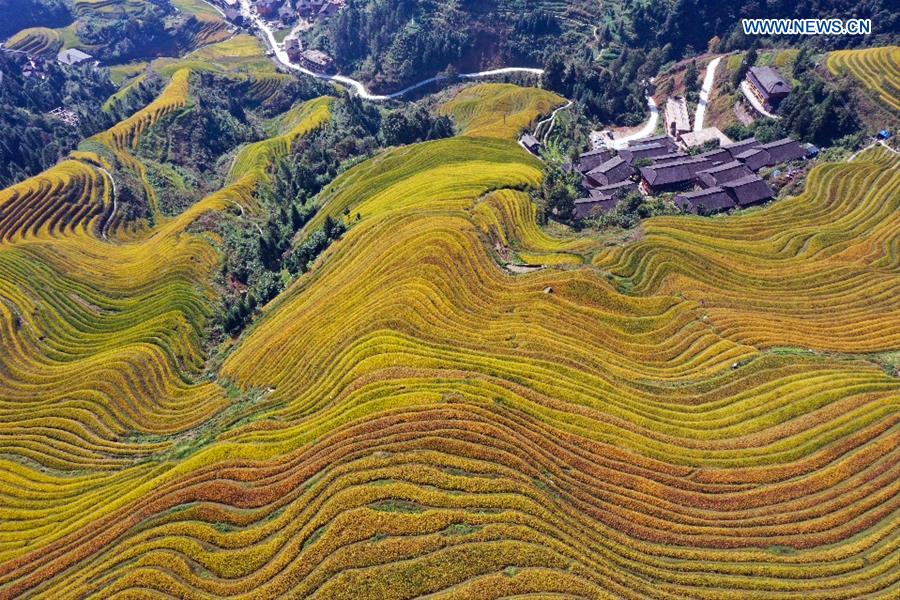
(360, 88)
(705, 90)
(648, 129)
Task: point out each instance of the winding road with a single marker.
(361, 90)
(552, 120)
(705, 90)
(646, 131)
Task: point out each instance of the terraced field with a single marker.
(708, 411)
(878, 69)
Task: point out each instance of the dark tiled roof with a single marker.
(608, 191)
(668, 158)
(674, 172)
(656, 139)
(593, 158)
(717, 156)
(630, 155)
(755, 158)
(584, 207)
(612, 171)
(706, 201)
(768, 80)
(784, 150)
(742, 146)
(748, 190)
(721, 173)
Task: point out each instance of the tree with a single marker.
(692, 78)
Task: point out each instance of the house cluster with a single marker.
(34, 65)
(65, 115)
(719, 179)
(314, 60)
(287, 11)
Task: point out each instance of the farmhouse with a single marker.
(704, 202)
(670, 176)
(719, 156)
(592, 159)
(784, 150)
(634, 153)
(748, 190)
(267, 8)
(677, 120)
(723, 173)
(530, 143)
(656, 139)
(614, 190)
(233, 15)
(737, 147)
(586, 207)
(316, 60)
(768, 86)
(73, 57)
(612, 171)
(755, 158)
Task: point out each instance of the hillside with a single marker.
(263, 336)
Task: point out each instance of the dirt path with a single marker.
(705, 91)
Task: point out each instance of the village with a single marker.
(705, 170)
(296, 15)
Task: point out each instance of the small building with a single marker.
(329, 9)
(530, 143)
(736, 148)
(234, 15)
(695, 139)
(704, 202)
(783, 150)
(656, 139)
(768, 86)
(592, 159)
(633, 154)
(267, 8)
(614, 190)
(590, 206)
(310, 7)
(754, 158)
(717, 156)
(293, 48)
(286, 14)
(671, 176)
(612, 171)
(73, 57)
(668, 158)
(678, 121)
(719, 174)
(748, 190)
(316, 60)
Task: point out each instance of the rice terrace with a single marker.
(401, 299)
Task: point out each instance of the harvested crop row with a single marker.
(877, 68)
